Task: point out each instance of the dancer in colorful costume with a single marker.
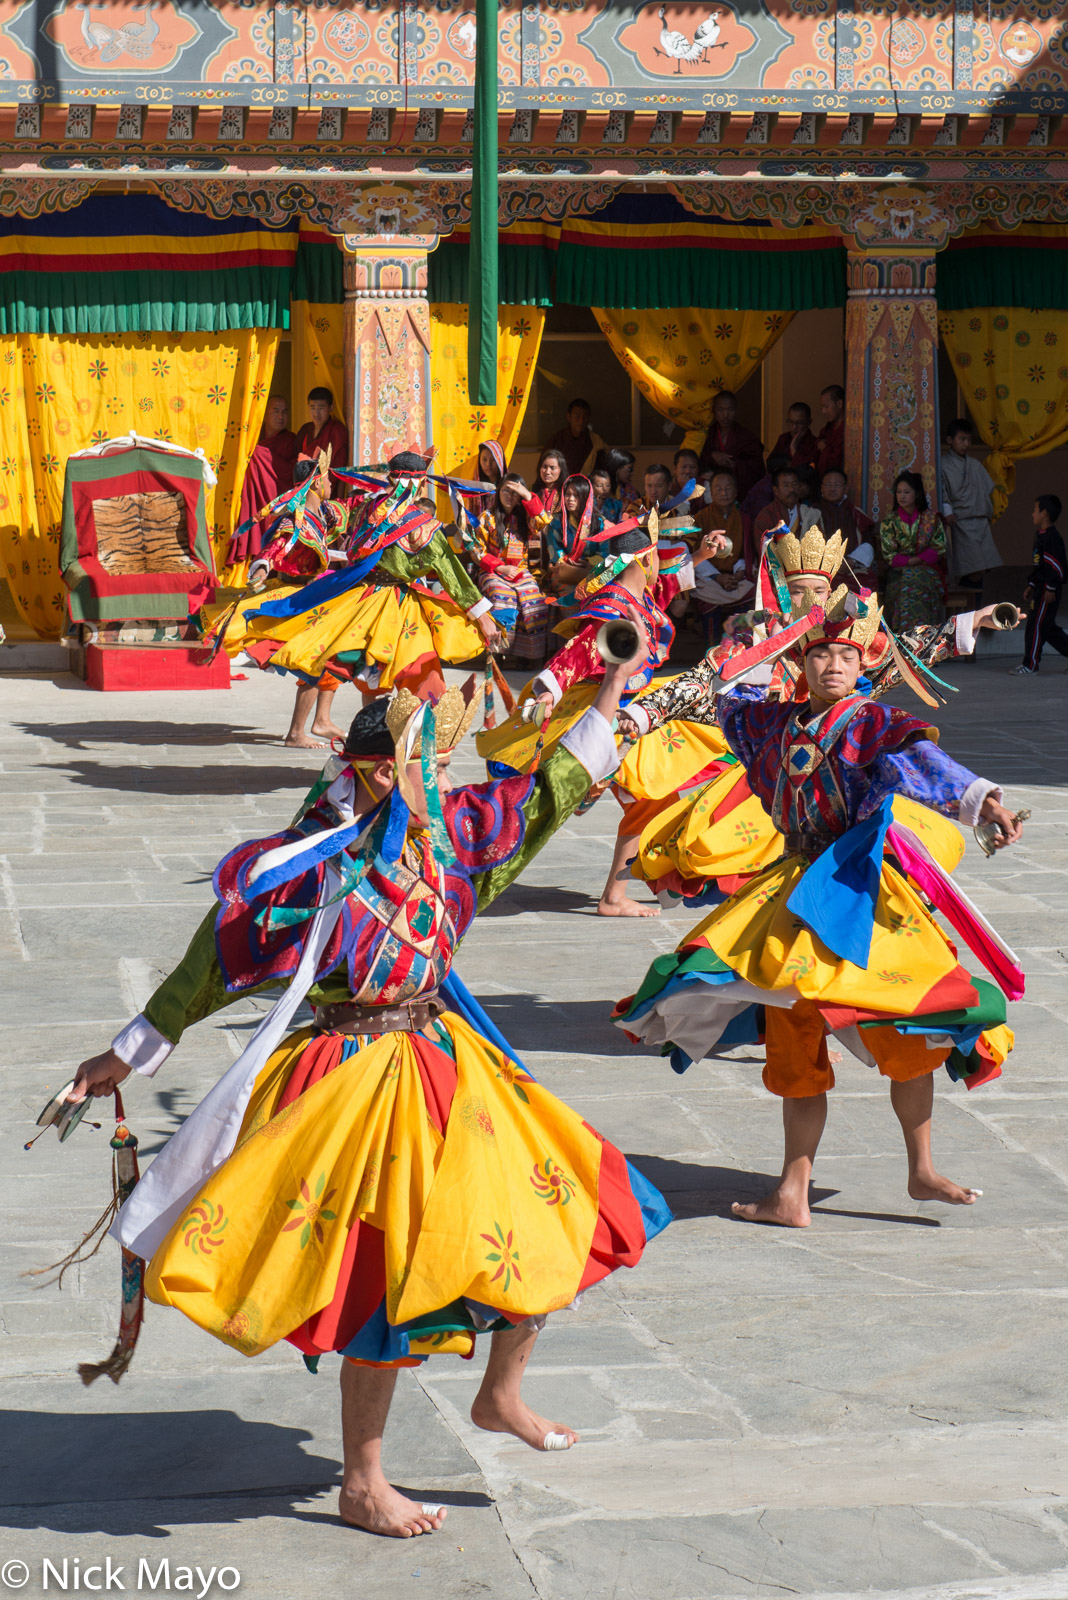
(834, 938)
(389, 1182)
(302, 528)
(553, 701)
(702, 832)
(375, 620)
(625, 579)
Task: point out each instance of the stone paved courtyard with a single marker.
(873, 1407)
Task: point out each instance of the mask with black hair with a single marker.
(369, 738)
(408, 463)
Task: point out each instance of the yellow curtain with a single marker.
(681, 359)
(458, 426)
(1012, 365)
(60, 393)
(318, 355)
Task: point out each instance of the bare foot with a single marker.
(300, 741)
(775, 1208)
(626, 908)
(935, 1187)
(378, 1508)
(329, 730)
(501, 1417)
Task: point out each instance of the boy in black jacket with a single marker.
(1044, 587)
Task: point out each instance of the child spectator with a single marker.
(1044, 587)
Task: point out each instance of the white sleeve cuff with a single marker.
(548, 683)
(964, 632)
(480, 609)
(864, 554)
(638, 715)
(947, 509)
(973, 798)
(142, 1046)
(593, 744)
(739, 566)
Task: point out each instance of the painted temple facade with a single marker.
(925, 140)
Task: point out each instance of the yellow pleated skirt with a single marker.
(479, 1182)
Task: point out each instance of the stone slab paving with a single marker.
(874, 1407)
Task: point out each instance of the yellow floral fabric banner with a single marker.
(60, 393)
(681, 359)
(318, 355)
(1012, 365)
(458, 426)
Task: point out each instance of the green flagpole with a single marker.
(482, 281)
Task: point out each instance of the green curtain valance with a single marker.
(1032, 278)
(317, 273)
(524, 274)
(727, 280)
(145, 302)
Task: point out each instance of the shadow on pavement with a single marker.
(693, 1191)
(195, 782)
(125, 1472)
(558, 1027)
(525, 897)
(82, 735)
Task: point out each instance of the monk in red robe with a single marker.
(269, 474)
(324, 431)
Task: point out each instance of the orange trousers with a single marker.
(798, 1064)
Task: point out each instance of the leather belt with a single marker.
(348, 1017)
(807, 844)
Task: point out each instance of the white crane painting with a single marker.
(680, 47)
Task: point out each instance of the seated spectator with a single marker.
(657, 485)
(784, 508)
(832, 434)
(620, 465)
(566, 537)
(575, 441)
(798, 444)
(505, 576)
(492, 464)
(721, 582)
(808, 485)
(603, 499)
(685, 463)
(731, 447)
(840, 515)
(762, 494)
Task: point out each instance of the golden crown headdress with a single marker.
(453, 715)
(848, 619)
(814, 554)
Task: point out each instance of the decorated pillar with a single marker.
(892, 421)
(387, 344)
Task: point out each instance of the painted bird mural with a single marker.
(132, 38)
(679, 47)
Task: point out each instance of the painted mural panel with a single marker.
(684, 52)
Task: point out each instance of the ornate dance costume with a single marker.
(574, 677)
(374, 620)
(390, 1181)
(836, 937)
(703, 832)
